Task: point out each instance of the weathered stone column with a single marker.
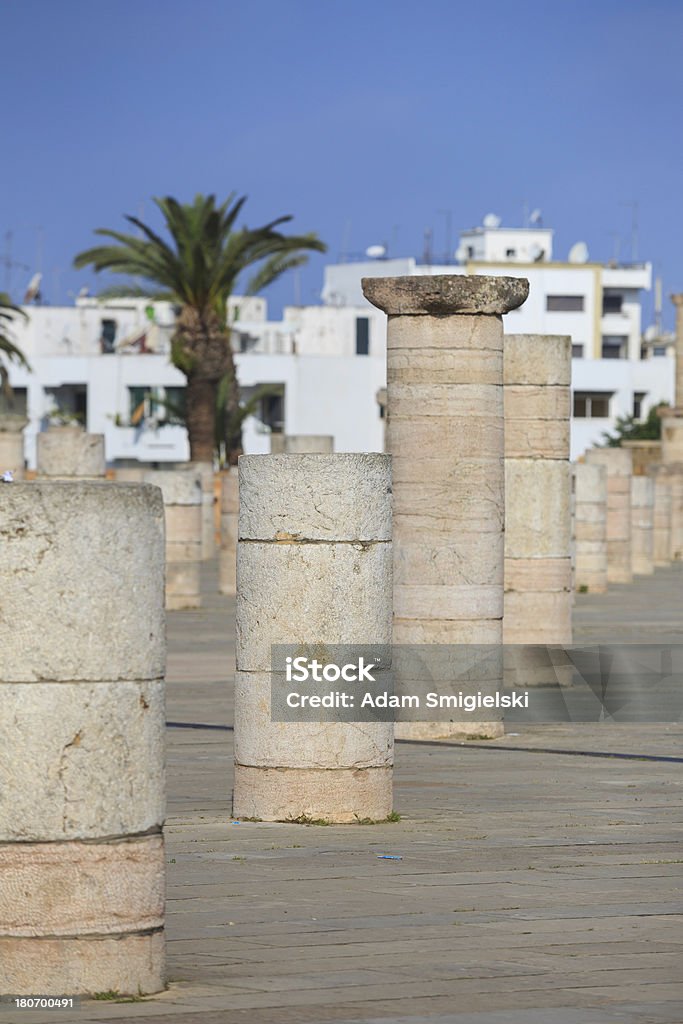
(69, 453)
(12, 445)
(642, 525)
(303, 444)
(182, 494)
(538, 570)
(590, 492)
(81, 739)
(672, 419)
(313, 567)
(206, 474)
(661, 545)
(227, 556)
(619, 463)
(674, 475)
(445, 433)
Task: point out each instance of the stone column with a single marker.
(81, 739)
(227, 556)
(182, 494)
(672, 419)
(619, 464)
(12, 445)
(642, 525)
(674, 475)
(313, 567)
(590, 493)
(661, 545)
(131, 474)
(302, 444)
(445, 433)
(538, 570)
(69, 453)
(206, 474)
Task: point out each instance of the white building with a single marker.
(108, 363)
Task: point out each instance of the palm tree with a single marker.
(198, 271)
(8, 350)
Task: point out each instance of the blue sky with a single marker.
(365, 120)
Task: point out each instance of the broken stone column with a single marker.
(313, 570)
(12, 446)
(538, 569)
(69, 453)
(81, 739)
(227, 555)
(618, 462)
(674, 476)
(590, 491)
(302, 444)
(182, 494)
(672, 419)
(661, 542)
(206, 474)
(445, 433)
(642, 525)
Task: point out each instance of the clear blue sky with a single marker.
(365, 120)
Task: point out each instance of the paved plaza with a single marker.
(534, 879)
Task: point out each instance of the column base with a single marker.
(340, 796)
(130, 965)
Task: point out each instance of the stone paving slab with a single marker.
(539, 883)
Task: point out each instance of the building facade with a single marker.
(320, 369)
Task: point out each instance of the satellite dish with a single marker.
(535, 217)
(578, 253)
(491, 220)
(461, 254)
(376, 252)
(536, 253)
(33, 290)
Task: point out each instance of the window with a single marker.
(13, 403)
(614, 346)
(592, 405)
(362, 335)
(638, 398)
(611, 303)
(165, 405)
(577, 351)
(470, 252)
(108, 336)
(659, 350)
(564, 303)
(273, 411)
(510, 253)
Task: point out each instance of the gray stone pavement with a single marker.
(538, 883)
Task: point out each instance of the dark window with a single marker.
(577, 351)
(273, 412)
(13, 403)
(108, 336)
(592, 404)
(510, 252)
(564, 303)
(470, 252)
(659, 350)
(638, 398)
(611, 304)
(614, 346)
(362, 335)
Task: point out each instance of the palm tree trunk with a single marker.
(201, 417)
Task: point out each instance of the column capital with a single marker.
(441, 294)
(677, 299)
